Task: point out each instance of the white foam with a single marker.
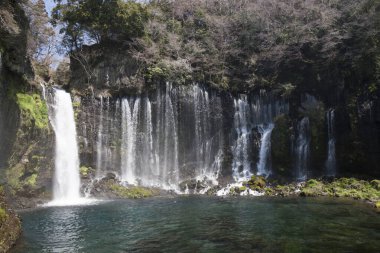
(73, 202)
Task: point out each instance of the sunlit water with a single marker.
(201, 224)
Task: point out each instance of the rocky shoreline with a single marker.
(110, 187)
(10, 225)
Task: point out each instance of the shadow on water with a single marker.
(203, 224)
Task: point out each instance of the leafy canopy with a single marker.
(98, 21)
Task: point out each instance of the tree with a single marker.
(41, 33)
(98, 21)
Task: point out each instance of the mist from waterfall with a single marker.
(331, 158)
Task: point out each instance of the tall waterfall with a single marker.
(66, 181)
(264, 164)
(302, 149)
(331, 159)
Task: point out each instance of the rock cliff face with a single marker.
(26, 139)
(355, 123)
(15, 68)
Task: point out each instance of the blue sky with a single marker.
(49, 5)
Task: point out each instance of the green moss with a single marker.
(34, 110)
(13, 176)
(343, 187)
(3, 214)
(84, 170)
(377, 204)
(76, 104)
(269, 191)
(256, 183)
(131, 192)
(31, 180)
(242, 188)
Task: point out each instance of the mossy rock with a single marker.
(242, 188)
(3, 215)
(133, 192)
(31, 180)
(34, 110)
(84, 171)
(343, 187)
(256, 183)
(376, 184)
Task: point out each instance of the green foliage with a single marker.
(229, 48)
(99, 20)
(287, 89)
(34, 110)
(3, 215)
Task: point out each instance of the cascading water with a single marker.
(66, 181)
(264, 164)
(241, 164)
(151, 139)
(302, 149)
(179, 133)
(99, 165)
(257, 112)
(331, 159)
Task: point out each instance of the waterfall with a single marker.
(126, 142)
(251, 113)
(170, 171)
(264, 166)
(302, 149)
(66, 181)
(202, 128)
(99, 144)
(241, 164)
(331, 159)
(179, 133)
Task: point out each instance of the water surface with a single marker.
(202, 224)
